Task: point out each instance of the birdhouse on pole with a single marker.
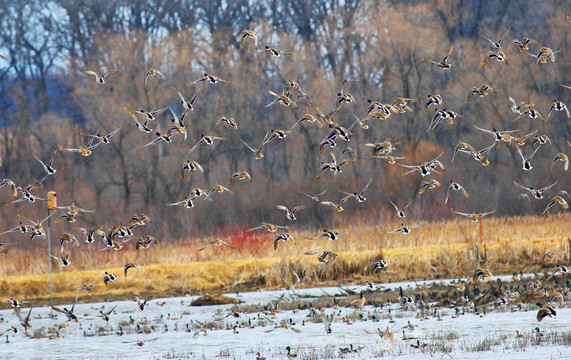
(52, 200)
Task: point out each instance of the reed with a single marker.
(435, 250)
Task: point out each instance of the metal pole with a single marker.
(50, 262)
(52, 204)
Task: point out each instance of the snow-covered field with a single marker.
(170, 329)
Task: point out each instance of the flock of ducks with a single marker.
(292, 95)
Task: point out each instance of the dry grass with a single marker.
(435, 250)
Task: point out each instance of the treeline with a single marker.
(46, 100)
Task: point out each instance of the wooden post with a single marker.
(476, 258)
(52, 205)
(485, 255)
(481, 237)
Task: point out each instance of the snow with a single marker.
(448, 338)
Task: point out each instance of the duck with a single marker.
(384, 147)
(540, 140)
(178, 125)
(442, 64)
(68, 238)
(519, 108)
(24, 321)
(422, 168)
(558, 105)
(310, 119)
(428, 185)
(560, 270)
(400, 213)
(83, 150)
(150, 115)
(289, 353)
(441, 114)
(455, 186)
(498, 134)
(282, 237)
(37, 226)
(104, 139)
(404, 229)
(48, 167)
(532, 114)
(167, 138)
(337, 206)
(558, 199)
(138, 220)
(99, 78)
(435, 99)
(212, 79)
(390, 159)
(142, 304)
(153, 72)
(11, 185)
(16, 304)
(277, 134)
(273, 51)
(269, 227)
(109, 277)
(360, 197)
(282, 99)
(545, 311)
(68, 313)
(143, 127)
(230, 122)
(105, 315)
(220, 188)
(544, 55)
(333, 166)
(130, 266)
(469, 149)
(521, 140)
(188, 203)
(499, 56)
(481, 273)
(380, 265)
(22, 228)
(473, 216)
(360, 302)
(537, 193)
(257, 151)
(216, 242)
(522, 45)
(418, 345)
(323, 258)
(206, 139)
(316, 198)
(495, 44)
(188, 166)
(187, 104)
(248, 34)
(329, 140)
(239, 175)
(260, 357)
(526, 161)
(481, 91)
(142, 243)
(197, 192)
(330, 235)
(290, 215)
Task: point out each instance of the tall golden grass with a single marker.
(434, 250)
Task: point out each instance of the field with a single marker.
(443, 250)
